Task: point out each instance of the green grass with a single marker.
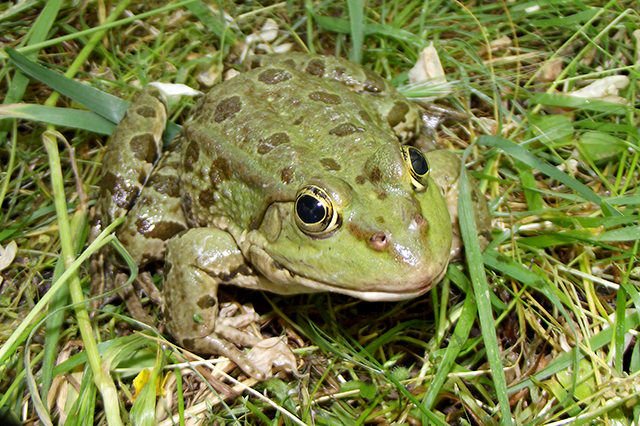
(541, 329)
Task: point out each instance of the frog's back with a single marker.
(258, 136)
(305, 109)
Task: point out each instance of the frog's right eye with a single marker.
(315, 212)
(418, 167)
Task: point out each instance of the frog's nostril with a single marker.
(421, 221)
(379, 241)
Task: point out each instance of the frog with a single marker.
(297, 176)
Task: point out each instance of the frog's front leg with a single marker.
(445, 170)
(196, 262)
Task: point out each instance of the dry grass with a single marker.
(549, 337)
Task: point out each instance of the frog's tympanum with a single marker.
(295, 177)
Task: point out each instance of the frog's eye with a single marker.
(315, 213)
(418, 167)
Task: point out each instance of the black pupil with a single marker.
(310, 209)
(418, 162)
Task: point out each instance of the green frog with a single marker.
(297, 176)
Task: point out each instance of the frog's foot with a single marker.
(145, 283)
(216, 344)
(197, 261)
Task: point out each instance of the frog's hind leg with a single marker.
(132, 151)
(155, 218)
(155, 209)
(196, 263)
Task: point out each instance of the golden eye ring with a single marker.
(314, 211)
(418, 167)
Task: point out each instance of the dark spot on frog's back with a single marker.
(227, 108)
(286, 175)
(161, 230)
(376, 175)
(144, 148)
(330, 164)
(316, 67)
(122, 195)
(167, 185)
(191, 154)
(220, 171)
(146, 111)
(207, 302)
(374, 83)
(365, 116)
(272, 141)
(273, 76)
(345, 129)
(360, 179)
(398, 113)
(327, 98)
(206, 198)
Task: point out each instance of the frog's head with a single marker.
(381, 233)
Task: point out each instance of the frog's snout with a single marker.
(379, 241)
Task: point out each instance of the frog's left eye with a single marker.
(418, 167)
(315, 213)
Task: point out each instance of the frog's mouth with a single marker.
(378, 296)
(283, 280)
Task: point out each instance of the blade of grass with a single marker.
(66, 117)
(69, 250)
(37, 34)
(143, 411)
(356, 20)
(216, 24)
(362, 357)
(82, 410)
(79, 34)
(55, 320)
(566, 359)
(507, 266)
(19, 335)
(107, 106)
(575, 102)
(9, 171)
(459, 337)
(180, 398)
(343, 26)
(520, 153)
(482, 291)
(102, 379)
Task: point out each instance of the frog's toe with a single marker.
(218, 345)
